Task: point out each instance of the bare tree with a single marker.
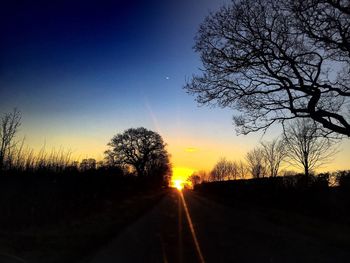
(326, 22)
(306, 147)
(142, 150)
(274, 153)
(234, 171)
(194, 179)
(224, 170)
(220, 170)
(255, 160)
(243, 170)
(10, 123)
(204, 176)
(277, 60)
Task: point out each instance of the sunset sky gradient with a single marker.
(82, 71)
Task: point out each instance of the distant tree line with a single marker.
(50, 187)
(136, 152)
(302, 145)
(277, 62)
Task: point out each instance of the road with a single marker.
(185, 227)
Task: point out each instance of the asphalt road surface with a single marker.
(185, 227)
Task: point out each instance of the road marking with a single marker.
(193, 232)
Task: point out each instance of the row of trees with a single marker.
(15, 156)
(142, 152)
(275, 61)
(136, 151)
(302, 145)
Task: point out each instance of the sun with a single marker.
(180, 175)
(178, 184)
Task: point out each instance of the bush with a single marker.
(343, 179)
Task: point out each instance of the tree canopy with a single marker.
(274, 61)
(141, 150)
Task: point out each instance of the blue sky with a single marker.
(82, 71)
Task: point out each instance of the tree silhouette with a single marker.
(256, 163)
(141, 150)
(243, 169)
(326, 22)
(194, 179)
(274, 153)
(306, 147)
(224, 170)
(88, 164)
(10, 123)
(204, 176)
(277, 60)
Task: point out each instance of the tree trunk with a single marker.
(306, 167)
(139, 170)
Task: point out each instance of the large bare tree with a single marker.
(277, 60)
(306, 147)
(326, 22)
(10, 123)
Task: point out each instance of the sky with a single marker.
(83, 71)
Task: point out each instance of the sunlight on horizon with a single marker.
(178, 184)
(180, 175)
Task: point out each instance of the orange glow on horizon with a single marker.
(188, 153)
(180, 175)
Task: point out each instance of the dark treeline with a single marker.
(326, 195)
(39, 199)
(49, 188)
(301, 145)
(65, 213)
(45, 197)
(54, 194)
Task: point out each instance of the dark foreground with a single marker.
(74, 233)
(225, 234)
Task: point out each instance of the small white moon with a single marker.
(167, 78)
